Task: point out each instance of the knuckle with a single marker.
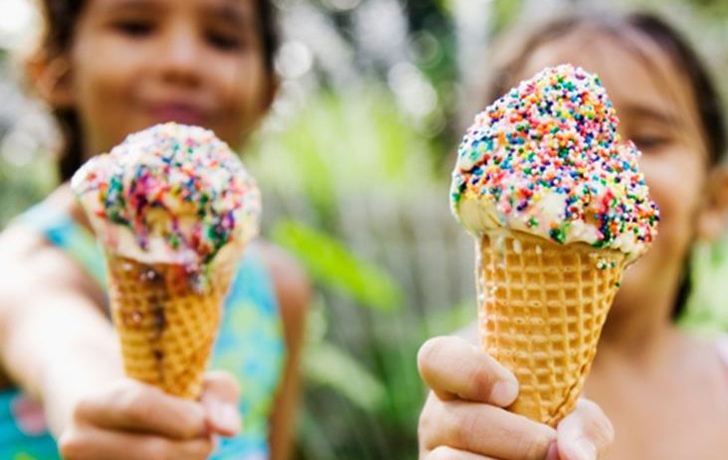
(203, 450)
(427, 423)
(81, 409)
(466, 426)
(156, 449)
(138, 405)
(533, 446)
(481, 379)
(71, 446)
(190, 422)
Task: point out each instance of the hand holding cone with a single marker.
(558, 209)
(173, 208)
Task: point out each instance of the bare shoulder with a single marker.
(292, 287)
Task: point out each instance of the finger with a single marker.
(90, 443)
(483, 430)
(454, 368)
(135, 406)
(586, 434)
(220, 400)
(448, 453)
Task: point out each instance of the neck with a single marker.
(639, 331)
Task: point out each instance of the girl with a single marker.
(108, 68)
(665, 394)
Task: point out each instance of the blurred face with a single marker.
(657, 112)
(136, 63)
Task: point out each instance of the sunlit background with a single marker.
(354, 165)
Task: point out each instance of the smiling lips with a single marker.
(184, 113)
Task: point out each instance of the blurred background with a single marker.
(354, 165)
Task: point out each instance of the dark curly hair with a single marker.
(60, 19)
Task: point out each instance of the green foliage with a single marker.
(22, 186)
(332, 265)
(707, 309)
(341, 144)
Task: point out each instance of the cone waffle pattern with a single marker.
(167, 329)
(542, 308)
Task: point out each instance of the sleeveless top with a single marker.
(250, 345)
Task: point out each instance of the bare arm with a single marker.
(293, 293)
(57, 345)
(54, 342)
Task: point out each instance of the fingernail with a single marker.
(585, 450)
(226, 415)
(230, 417)
(504, 392)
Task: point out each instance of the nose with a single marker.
(179, 60)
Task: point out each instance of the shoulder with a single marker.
(292, 288)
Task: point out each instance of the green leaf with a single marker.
(334, 266)
(325, 364)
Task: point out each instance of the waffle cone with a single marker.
(166, 325)
(541, 310)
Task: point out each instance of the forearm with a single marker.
(58, 349)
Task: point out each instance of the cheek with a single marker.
(104, 87)
(675, 184)
(242, 87)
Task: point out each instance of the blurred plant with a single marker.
(707, 309)
(370, 88)
(362, 390)
(22, 186)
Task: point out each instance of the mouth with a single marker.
(183, 113)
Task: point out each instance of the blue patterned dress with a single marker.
(250, 345)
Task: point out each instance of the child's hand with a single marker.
(130, 420)
(464, 418)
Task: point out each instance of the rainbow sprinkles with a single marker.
(546, 159)
(170, 194)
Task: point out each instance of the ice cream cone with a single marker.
(541, 310)
(173, 207)
(167, 326)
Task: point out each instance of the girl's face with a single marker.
(657, 111)
(135, 63)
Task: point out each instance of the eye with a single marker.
(225, 41)
(651, 142)
(135, 28)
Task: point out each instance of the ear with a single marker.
(714, 216)
(272, 91)
(51, 78)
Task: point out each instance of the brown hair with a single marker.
(516, 51)
(60, 19)
(514, 55)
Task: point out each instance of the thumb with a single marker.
(585, 434)
(220, 398)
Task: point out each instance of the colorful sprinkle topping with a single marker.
(546, 159)
(179, 190)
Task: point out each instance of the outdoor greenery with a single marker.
(354, 166)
